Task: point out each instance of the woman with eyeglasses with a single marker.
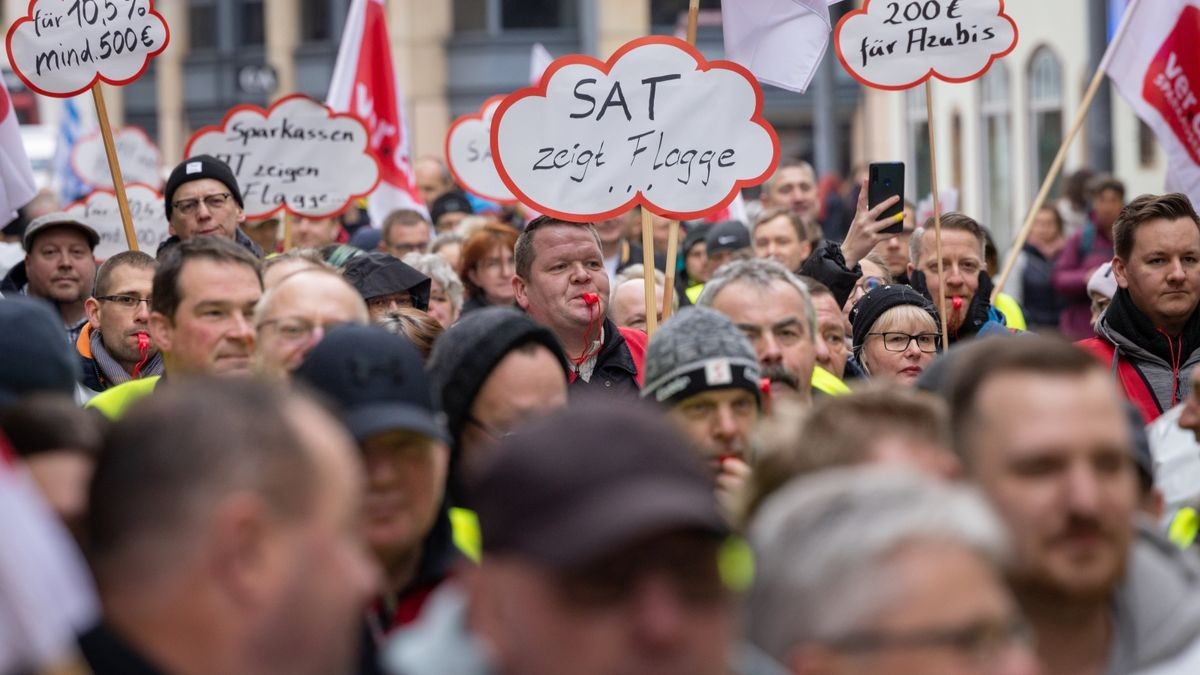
(896, 334)
(487, 267)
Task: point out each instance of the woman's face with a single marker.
(494, 275)
(899, 353)
(1045, 228)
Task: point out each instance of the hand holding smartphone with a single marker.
(885, 179)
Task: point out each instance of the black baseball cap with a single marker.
(728, 235)
(377, 379)
(451, 202)
(375, 274)
(588, 480)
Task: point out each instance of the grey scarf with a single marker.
(112, 370)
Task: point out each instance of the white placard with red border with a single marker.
(899, 44)
(140, 159)
(61, 48)
(99, 209)
(656, 125)
(469, 154)
(297, 156)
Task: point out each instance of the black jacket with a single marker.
(15, 280)
(827, 265)
(616, 369)
(108, 654)
(239, 237)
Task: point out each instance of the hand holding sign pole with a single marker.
(899, 44)
(62, 48)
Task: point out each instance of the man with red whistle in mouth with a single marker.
(964, 279)
(702, 368)
(115, 345)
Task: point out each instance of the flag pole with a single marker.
(1056, 165)
(937, 215)
(114, 167)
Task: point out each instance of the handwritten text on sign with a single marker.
(657, 125)
(898, 44)
(101, 212)
(469, 154)
(139, 157)
(62, 47)
(296, 156)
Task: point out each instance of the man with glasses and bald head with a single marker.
(203, 199)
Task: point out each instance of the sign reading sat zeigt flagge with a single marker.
(656, 125)
(297, 156)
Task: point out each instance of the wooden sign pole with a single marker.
(648, 270)
(937, 215)
(114, 166)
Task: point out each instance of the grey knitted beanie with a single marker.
(697, 350)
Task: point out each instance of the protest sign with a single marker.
(895, 45)
(62, 47)
(469, 154)
(296, 156)
(141, 162)
(146, 208)
(656, 125)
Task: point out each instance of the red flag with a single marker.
(17, 186)
(364, 84)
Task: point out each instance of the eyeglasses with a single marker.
(296, 329)
(868, 284)
(982, 641)
(898, 342)
(495, 263)
(214, 202)
(125, 301)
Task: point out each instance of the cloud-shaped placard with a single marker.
(296, 156)
(656, 124)
(900, 44)
(146, 207)
(140, 160)
(61, 48)
(469, 154)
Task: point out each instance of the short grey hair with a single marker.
(435, 267)
(822, 545)
(762, 273)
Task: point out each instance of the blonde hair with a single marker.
(897, 319)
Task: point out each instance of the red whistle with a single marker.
(956, 301)
(591, 298)
(143, 341)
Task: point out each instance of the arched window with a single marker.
(1045, 112)
(919, 182)
(995, 126)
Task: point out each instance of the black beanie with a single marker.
(195, 168)
(466, 354)
(879, 300)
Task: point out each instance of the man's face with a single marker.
(567, 264)
(406, 478)
(301, 309)
(1163, 271)
(894, 249)
(404, 239)
(212, 331)
(314, 232)
(1106, 206)
(656, 606)
(714, 260)
(193, 216)
(119, 325)
(431, 180)
(527, 382)
(831, 352)
(961, 261)
(777, 239)
(610, 230)
(1062, 480)
(440, 307)
(661, 231)
(719, 423)
(775, 321)
(628, 308)
(941, 588)
(60, 266)
(696, 262)
(321, 574)
(795, 189)
(381, 306)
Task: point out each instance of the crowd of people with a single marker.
(446, 444)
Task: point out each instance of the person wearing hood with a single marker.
(1150, 334)
(378, 382)
(964, 282)
(59, 268)
(1045, 435)
(387, 283)
(203, 199)
(896, 334)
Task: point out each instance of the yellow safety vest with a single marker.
(112, 402)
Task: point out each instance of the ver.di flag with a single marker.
(364, 84)
(1154, 61)
(780, 41)
(17, 186)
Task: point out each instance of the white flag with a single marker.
(17, 186)
(780, 41)
(1153, 60)
(540, 59)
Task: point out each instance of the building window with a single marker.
(918, 144)
(497, 16)
(1045, 112)
(252, 26)
(316, 19)
(1146, 145)
(995, 125)
(202, 25)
